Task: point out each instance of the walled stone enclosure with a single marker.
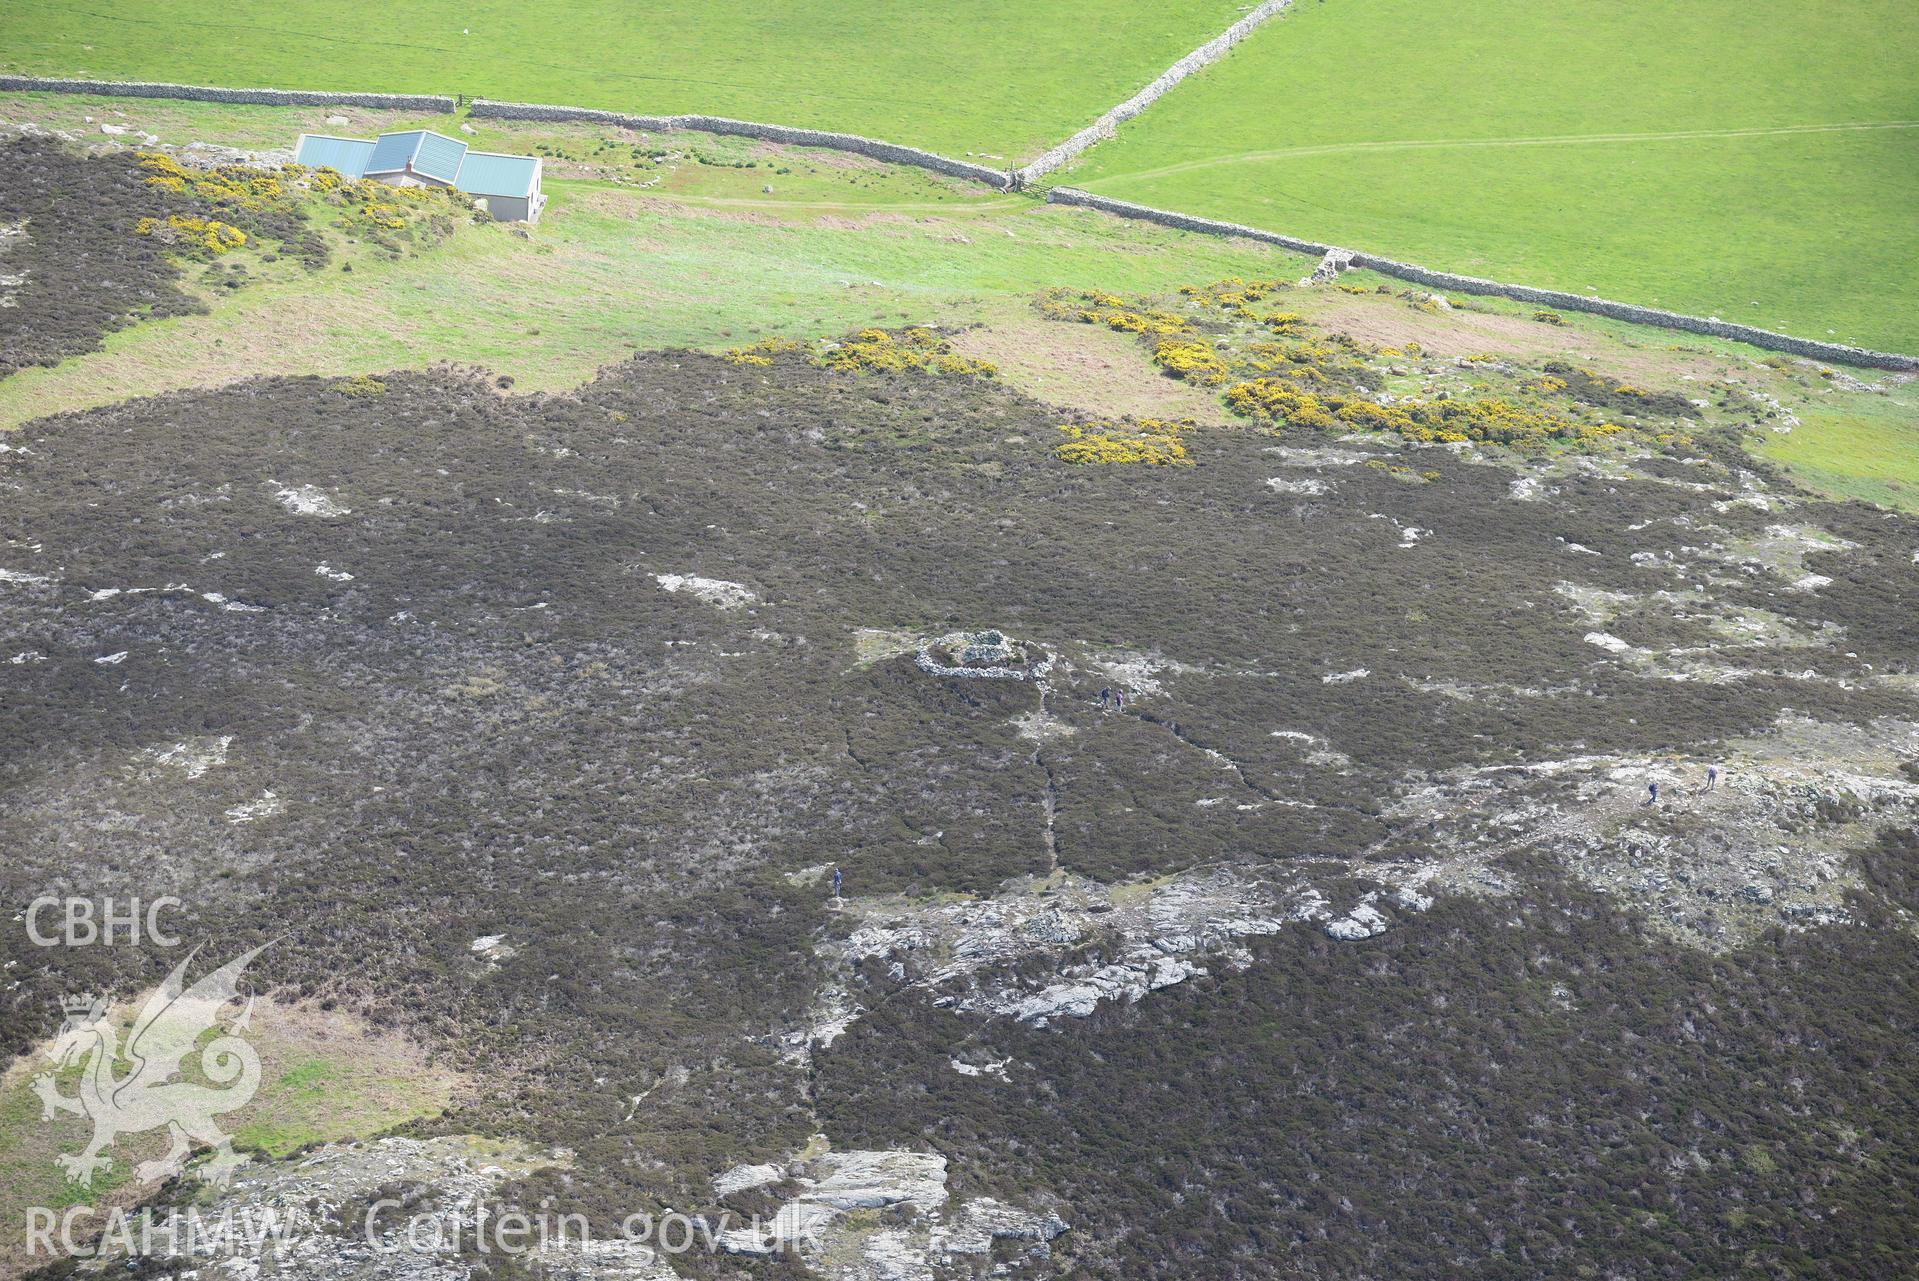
(983, 655)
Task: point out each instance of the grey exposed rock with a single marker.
(1363, 922)
(742, 1177)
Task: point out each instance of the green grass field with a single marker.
(1869, 451)
(692, 250)
(1755, 161)
(706, 258)
(1001, 77)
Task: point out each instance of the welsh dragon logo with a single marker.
(133, 1083)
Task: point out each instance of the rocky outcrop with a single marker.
(973, 953)
(1363, 922)
(387, 1210)
(828, 1225)
(717, 592)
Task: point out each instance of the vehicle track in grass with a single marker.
(1549, 140)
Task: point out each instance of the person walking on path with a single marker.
(1652, 792)
(1119, 701)
(1105, 696)
(1712, 777)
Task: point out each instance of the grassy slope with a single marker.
(1870, 451)
(1415, 127)
(707, 259)
(998, 76)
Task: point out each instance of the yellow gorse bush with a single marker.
(1096, 308)
(393, 208)
(268, 202)
(1234, 293)
(1287, 324)
(1152, 442)
(210, 234)
(250, 189)
(1193, 359)
(763, 351)
(914, 350)
(911, 350)
(1400, 471)
(1490, 421)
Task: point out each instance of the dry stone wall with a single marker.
(1204, 56)
(891, 152)
(208, 93)
(894, 153)
(1711, 326)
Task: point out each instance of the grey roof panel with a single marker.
(438, 156)
(392, 152)
(488, 173)
(348, 155)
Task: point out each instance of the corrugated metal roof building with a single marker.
(418, 154)
(507, 187)
(348, 155)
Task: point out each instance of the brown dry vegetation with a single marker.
(1093, 370)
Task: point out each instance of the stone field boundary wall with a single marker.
(891, 152)
(207, 93)
(1710, 326)
(1198, 60)
(1004, 180)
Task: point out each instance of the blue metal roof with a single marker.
(432, 155)
(348, 155)
(438, 156)
(488, 173)
(393, 151)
